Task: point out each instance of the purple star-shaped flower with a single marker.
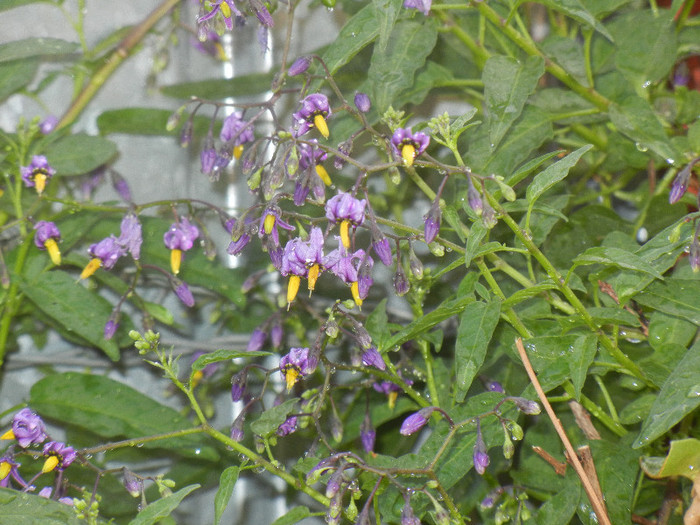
(269, 221)
(345, 209)
(27, 428)
(235, 132)
(315, 109)
(59, 456)
(408, 145)
(179, 238)
(47, 235)
(225, 7)
(37, 174)
(297, 363)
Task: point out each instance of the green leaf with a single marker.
(223, 355)
(376, 324)
(113, 410)
(609, 255)
(387, 12)
(163, 507)
(80, 312)
(446, 310)
(219, 88)
(226, 482)
(677, 297)
(562, 506)
(667, 329)
(634, 118)
(15, 75)
(79, 154)
(144, 121)
(476, 235)
(550, 356)
(476, 326)
(35, 47)
(637, 411)
(159, 312)
(618, 466)
(527, 168)
(644, 60)
(528, 293)
(679, 396)
(568, 53)
(579, 12)
(553, 174)
(683, 459)
(21, 508)
(357, 33)
(584, 350)
(391, 70)
(293, 516)
(273, 417)
(507, 84)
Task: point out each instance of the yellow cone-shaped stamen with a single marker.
(323, 174)
(237, 151)
(5, 469)
(225, 9)
(408, 152)
(392, 399)
(314, 272)
(50, 464)
(355, 289)
(321, 124)
(345, 233)
(220, 53)
(40, 182)
(8, 435)
(269, 223)
(54, 252)
(292, 288)
(175, 260)
(291, 377)
(91, 268)
(196, 378)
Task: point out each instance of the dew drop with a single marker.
(694, 391)
(641, 147)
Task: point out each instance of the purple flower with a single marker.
(480, 457)
(37, 173)
(303, 259)
(495, 386)
(530, 408)
(235, 132)
(27, 428)
(416, 421)
(362, 102)
(409, 145)
(289, 426)
(207, 157)
(179, 238)
(110, 329)
(382, 248)
(391, 390)
(225, 7)
(422, 5)
(276, 334)
(679, 185)
(47, 125)
(237, 433)
(9, 468)
(372, 357)
(59, 456)
(353, 269)
(121, 187)
(297, 363)
(262, 13)
(104, 253)
(46, 493)
(314, 111)
(269, 222)
(132, 484)
(131, 237)
(367, 434)
(182, 291)
(400, 281)
(311, 156)
(47, 235)
(347, 210)
(474, 199)
(256, 341)
(238, 385)
(299, 66)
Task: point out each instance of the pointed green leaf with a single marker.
(223, 355)
(476, 326)
(683, 459)
(584, 350)
(163, 507)
(391, 70)
(679, 396)
(21, 508)
(609, 255)
(15, 75)
(113, 410)
(562, 506)
(36, 47)
(676, 297)
(226, 482)
(579, 12)
(145, 121)
(507, 84)
(387, 12)
(617, 464)
(357, 33)
(79, 311)
(293, 516)
(273, 417)
(553, 174)
(219, 88)
(79, 154)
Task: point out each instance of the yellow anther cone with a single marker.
(54, 252)
(91, 268)
(355, 289)
(175, 260)
(50, 464)
(321, 125)
(292, 288)
(8, 435)
(345, 233)
(408, 152)
(40, 182)
(314, 272)
(237, 151)
(5, 469)
(323, 174)
(291, 377)
(269, 223)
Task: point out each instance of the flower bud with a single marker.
(362, 102)
(407, 515)
(110, 329)
(367, 434)
(182, 291)
(416, 421)
(256, 341)
(480, 457)
(414, 264)
(516, 431)
(474, 199)
(299, 66)
(401, 284)
(531, 408)
(237, 433)
(334, 483)
(238, 384)
(432, 222)
(132, 484)
(372, 357)
(382, 248)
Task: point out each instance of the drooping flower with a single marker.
(225, 7)
(109, 250)
(27, 429)
(238, 385)
(9, 468)
(58, 456)
(297, 363)
(269, 221)
(409, 145)
(312, 157)
(179, 238)
(345, 209)
(235, 132)
(37, 174)
(132, 484)
(432, 222)
(351, 268)
(303, 259)
(299, 66)
(391, 390)
(372, 357)
(315, 109)
(256, 341)
(131, 236)
(182, 291)
(367, 434)
(262, 14)
(408, 517)
(362, 102)
(47, 235)
(530, 408)
(422, 5)
(237, 427)
(382, 247)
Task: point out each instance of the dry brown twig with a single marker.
(596, 500)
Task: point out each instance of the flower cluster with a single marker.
(108, 251)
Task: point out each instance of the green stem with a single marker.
(122, 52)
(141, 440)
